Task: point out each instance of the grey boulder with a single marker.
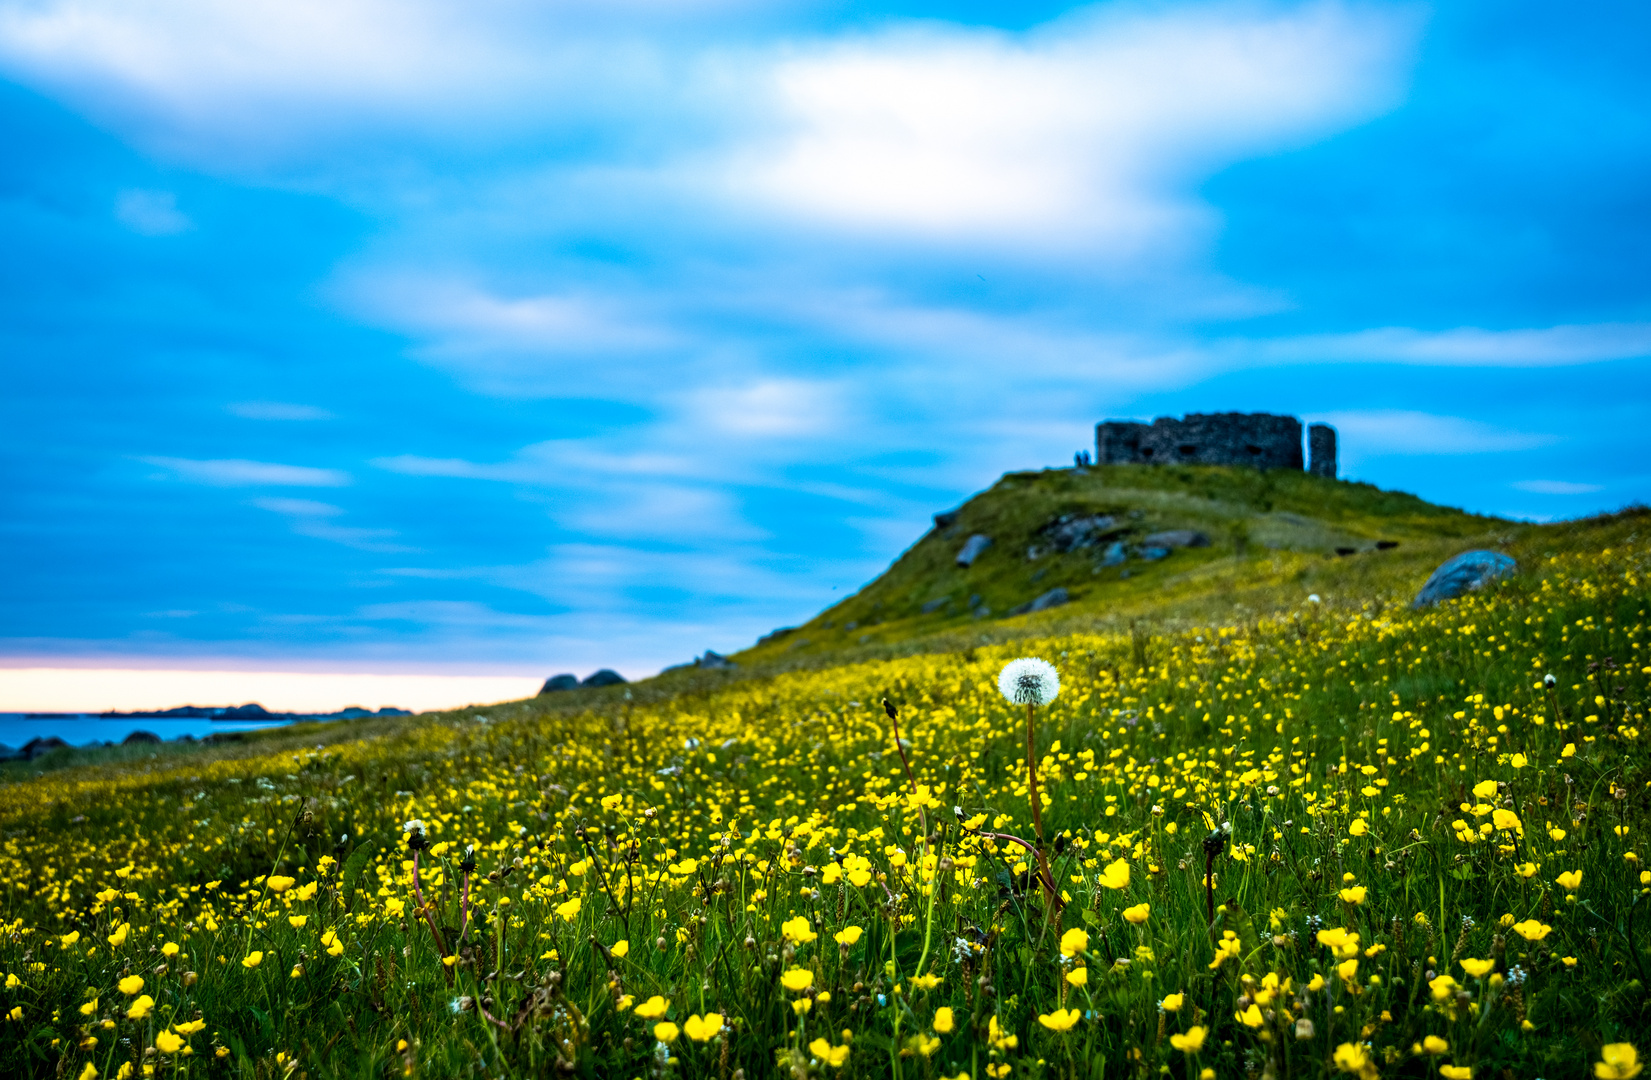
(1114, 555)
(972, 548)
(560, 682)
(605, 677)
(140, 737)
(713, 660)
(1053, 598)
(1464, 573)
(1176, 538)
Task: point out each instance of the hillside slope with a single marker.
(1269, 539)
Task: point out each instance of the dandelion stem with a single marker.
(1032, 776)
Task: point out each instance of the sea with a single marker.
(87, 729)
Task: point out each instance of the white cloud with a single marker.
(770, 408)
(276, 410)
(1394, 431)
(1085, 130)
(151, 213)
(1557, 487)
(235, 472)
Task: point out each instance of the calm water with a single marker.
(18, 728)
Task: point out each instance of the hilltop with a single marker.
(1264, 542)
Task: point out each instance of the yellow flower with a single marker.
(1617, 1061)
(140, 1007)
(665, 1031)
(944, 1020)
(16, 1013)
(612, 802)
(1556, 833)
(1443, 987)
(621, 949)
(298, 921)
(1484, 789)
(1570, 881)
(131, 984)
(1347, 969)
(798, 930)
(1358, 827)
(848, 935)
(253, 959)
(169, 950)
(118, 938)
(1116, 875)
(70, 938)
(1354, 1058)
(802, 1005)
(1060, 1019)
(1435, 1045)
(1478, 968)
(89, 1072)
(702, 1028)
(655, 1006)
(1073, 942)
(797, 980)
(1518, 761)
(835, 1056)
(1568, 961)
(568, 909)
(89, 1008)
(279, 884)
(1137, 914)
(1191, 1042)
(1172, 1002)
(1078, 976)
(1355, 895)
(1526, 870)
(1504, 819)
(190, 1028)
(307, 892)
(168, 1043)
(1456, 1072)
(1531, 930)
(1251, 1017)
(333, 945)
(925, 982)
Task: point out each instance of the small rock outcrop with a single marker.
(559, 682)
(605, 677)
(35, 747)
(972, 548)
(1464, 573)
(138, 738)
(713, 660)
(1176, 538)
(1071, 532)
(1053, 598)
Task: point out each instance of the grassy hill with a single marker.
(1273, 539)
(1282, 838)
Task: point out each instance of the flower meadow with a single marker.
(1351, 840)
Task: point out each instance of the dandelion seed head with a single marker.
(1029, 681)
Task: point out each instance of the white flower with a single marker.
(1029, 681)
(413, 826)
(1313, 598)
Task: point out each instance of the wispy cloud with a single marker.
(151, 213)
(1397, 431)
(1557, 487)
(237, 472)
(313, 519)
(277, 410)
(1468, 346)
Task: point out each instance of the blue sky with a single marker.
(508, 337)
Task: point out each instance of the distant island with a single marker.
(250, 711)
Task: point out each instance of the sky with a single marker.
(502, 339)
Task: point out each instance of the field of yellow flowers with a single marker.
(1367, 841)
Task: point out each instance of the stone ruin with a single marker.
(1262, 440)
